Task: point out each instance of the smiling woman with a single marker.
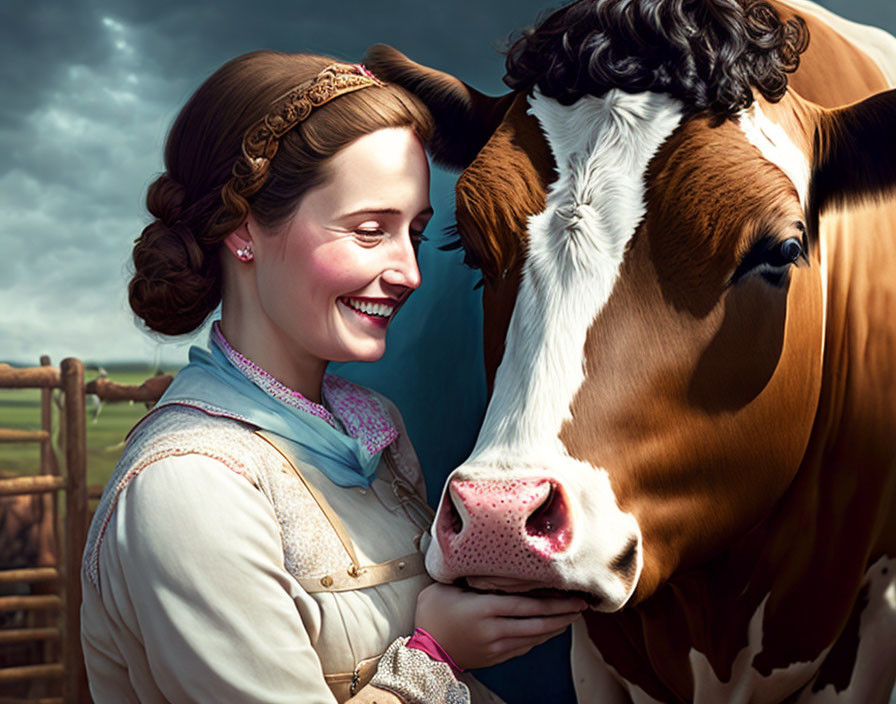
(260, 539)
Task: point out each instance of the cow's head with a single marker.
(654, 309)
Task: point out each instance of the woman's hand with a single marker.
(478, 630)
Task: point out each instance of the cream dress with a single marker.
(219, 568)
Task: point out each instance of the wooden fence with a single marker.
(47, 595)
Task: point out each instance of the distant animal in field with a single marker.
(26, 540)
(26, 532)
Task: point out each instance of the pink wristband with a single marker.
(421, 640)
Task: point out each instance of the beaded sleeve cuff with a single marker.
(421, 639)
(418, 679)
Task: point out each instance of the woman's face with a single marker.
(332, 280)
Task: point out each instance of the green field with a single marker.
(107, 426)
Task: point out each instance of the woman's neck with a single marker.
(265, 347)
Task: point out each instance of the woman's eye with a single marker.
(417, 237)
(771, 259)
(370, 232)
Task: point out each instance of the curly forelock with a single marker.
(710, 54)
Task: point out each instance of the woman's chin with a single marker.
(362, 353)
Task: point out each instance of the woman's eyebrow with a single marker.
(384, 211)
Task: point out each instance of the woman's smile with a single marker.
(372, 311)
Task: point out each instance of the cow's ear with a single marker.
(465, 118)
(855, 151)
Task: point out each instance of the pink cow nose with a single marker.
(489, 523)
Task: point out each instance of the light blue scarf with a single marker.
(212, 383)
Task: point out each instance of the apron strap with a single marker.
(357, 576)
(345, 685)
(367, 576)
(319, 499)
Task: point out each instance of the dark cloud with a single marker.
(38, 40)
(183, 42)
(458, 35)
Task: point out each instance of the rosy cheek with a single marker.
(329, 274)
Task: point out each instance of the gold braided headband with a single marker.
(261, 140)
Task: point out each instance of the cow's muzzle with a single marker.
(520, 534)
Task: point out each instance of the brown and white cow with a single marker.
(690, 338)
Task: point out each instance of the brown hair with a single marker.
(177, 273)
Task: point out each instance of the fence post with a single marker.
(49, 532)
(72, 372)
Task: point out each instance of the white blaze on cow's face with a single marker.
(601, 147)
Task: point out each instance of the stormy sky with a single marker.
(89, 89)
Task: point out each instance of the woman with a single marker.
(260, 539)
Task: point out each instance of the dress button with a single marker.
(326, 581)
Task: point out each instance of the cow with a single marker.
(684, 215)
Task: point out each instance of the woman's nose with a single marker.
(403, 269)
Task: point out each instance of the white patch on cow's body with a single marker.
(872, 677)
(601, 147)
(746, 684)
(874, 674)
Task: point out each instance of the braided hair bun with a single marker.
(172, 271)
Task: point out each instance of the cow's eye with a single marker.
(771, 259)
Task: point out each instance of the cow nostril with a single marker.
(543, 520)
(625, 562)
(551, 519)
(454, 522)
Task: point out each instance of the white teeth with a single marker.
(380, 310)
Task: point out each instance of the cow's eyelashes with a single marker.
(772, 258)
(455, 242)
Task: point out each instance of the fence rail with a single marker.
(29, 575)
(16, 435)
(27, 635)
(30, 485)
(27, 672)
(40, 602)
(147, 392)
(43, 376)
(48, 619)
